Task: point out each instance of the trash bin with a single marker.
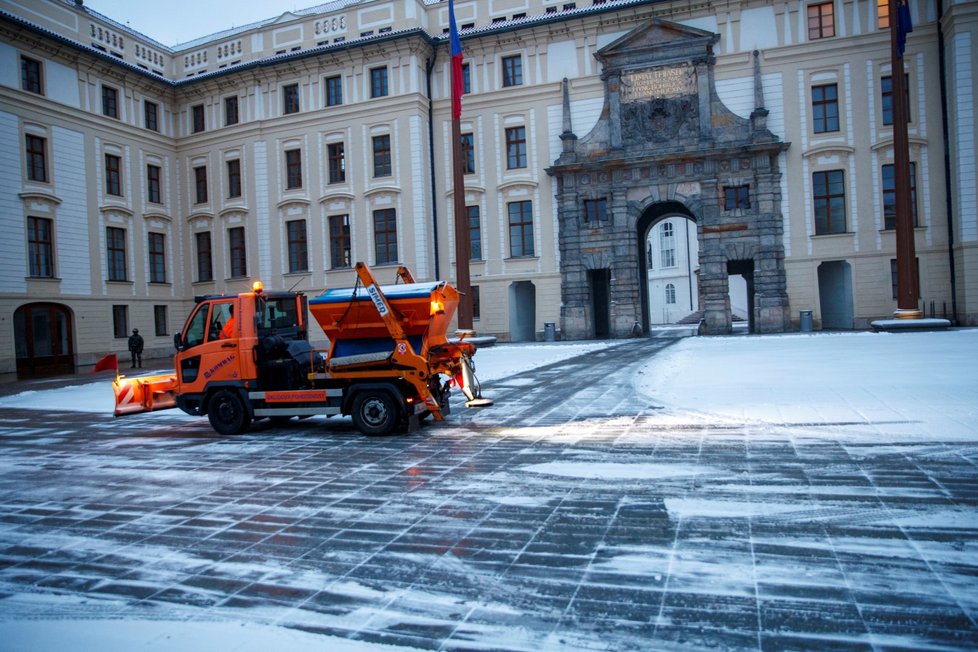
(805, 321)
(549, 331)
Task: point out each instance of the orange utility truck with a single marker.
(389, 363)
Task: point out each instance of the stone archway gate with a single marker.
(665, 137)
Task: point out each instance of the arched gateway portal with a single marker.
(665, 143)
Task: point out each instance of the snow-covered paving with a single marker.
(94, 394)
(709, 496)
(920, 385)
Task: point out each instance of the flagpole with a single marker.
(908, 292)
(462, 244)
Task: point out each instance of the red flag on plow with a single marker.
(108, 363)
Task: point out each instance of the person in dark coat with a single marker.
(136, 348)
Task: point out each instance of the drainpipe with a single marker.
(429, 66)
(948, 187)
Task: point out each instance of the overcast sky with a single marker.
(179, 21)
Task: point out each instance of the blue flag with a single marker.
(904, 25)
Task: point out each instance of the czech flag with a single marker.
(904, 25)
(457, 84)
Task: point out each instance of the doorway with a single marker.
(835, 294)
(740, 284)
(522, 311)
(599, 281)
(42, 339)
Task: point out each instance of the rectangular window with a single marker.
(596, 211)
(205, 269)
(466, 79)
(513, 70)
(475, 233)
(821, 20)
(298, 247)
(339, 241)
(883, 18)
(520, 228)
(829, 192)
(334, 91)
(115, 253)
(37, 167)
(735, 197)
(234, 178)
(385, 236)
(197, 113)
(894, 272)
(110, 102)
(667, 245)
(889, 195)
(336, 160)
(153, 184)
(290, 98)
(151, 115)
(113, 175)
(886, 97)
(378, 82)
(515, 148)
(382, 156)
(825, 108)
(236, 249)
(30, 75)
(468, 154)
(40, 248)
(200, 184)
(230, 111)
(157, 258)
(160, 321)
(476, 302)
(293, 169)
(120, 321)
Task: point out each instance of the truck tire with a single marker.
(227, 414)
(374, 413)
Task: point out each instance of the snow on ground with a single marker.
(921, 385)
(94, 393)
(916, 384)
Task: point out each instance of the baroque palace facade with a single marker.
(139, 175)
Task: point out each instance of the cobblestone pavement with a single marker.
(570, 516)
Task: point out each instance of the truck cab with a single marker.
(235, 344)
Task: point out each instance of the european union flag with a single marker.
(904, 25)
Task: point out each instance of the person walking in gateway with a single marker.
(136, 348)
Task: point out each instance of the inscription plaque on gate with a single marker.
(674, 81)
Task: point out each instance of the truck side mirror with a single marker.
(178, 341)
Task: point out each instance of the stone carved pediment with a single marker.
(657, 42)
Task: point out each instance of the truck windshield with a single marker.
(277, 315)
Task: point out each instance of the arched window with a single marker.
(670, 293)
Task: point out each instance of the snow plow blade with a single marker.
(144, 394)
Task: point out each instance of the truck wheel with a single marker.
(227, 414)
(374, 413)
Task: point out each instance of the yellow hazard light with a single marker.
(437, 307)
(256, 286)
